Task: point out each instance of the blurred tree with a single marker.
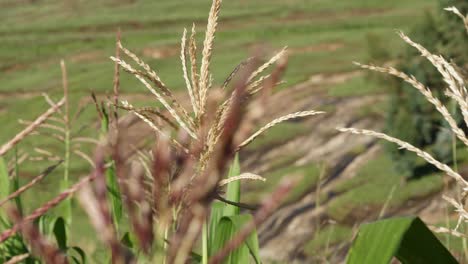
(410, 116)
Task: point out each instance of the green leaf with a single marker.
(407, 238)
(60, 233)
(45, 224)
(115, 197)
(104, 121)
(4, 186)
(217, 210)
(127, 240)
(233, 189)
(4, 180)
(111, 177)
(253, 245)
(4, 222)
(75, 260)
(195, 257)
(80, 252)
(228, 227)
(15, 186)
(225, 232)
(65, 207)
(11, 247)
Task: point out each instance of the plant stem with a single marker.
(66, 164)
(166, 236)
(205, 244)
(16, 183)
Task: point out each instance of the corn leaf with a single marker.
(60, 233)
(217, 210)
(114, 194)
(127, 240)
(66, 205)
(80, 252)
(228, 227)
(16, 186)
(253, 245)
(4, 187)
(195, 257)
(4, 180)
(407, 238)
(226, 230)
(111, 176)
(233, 189)
(44, 224)
(105, 121)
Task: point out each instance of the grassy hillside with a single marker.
(323, 36)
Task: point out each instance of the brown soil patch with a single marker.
(10, 4)
(160, 52)
(334, 78)
(87, 56)
(317, 48)
(13, 68)
(19, 95)
(330, 15)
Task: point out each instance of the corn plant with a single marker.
(226, 221)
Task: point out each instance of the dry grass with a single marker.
(275, 122)
(404, 145)
(17, 259)
(427, 93)
(243, 176)
(460, 15)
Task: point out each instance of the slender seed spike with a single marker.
(185, 73)
(207, 51)
(275, 122)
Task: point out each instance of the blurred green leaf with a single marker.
(60, 233)
(4, 221)
(253, 245)
(127, 240)
(15, 186)
(4, 180)
(45, 224)
(228, 227)
(14, 246)
(115, 197)
(407, 238)
(65, 207)
(217, 209)
(233, 189)
(104, 121)
(80, 252)
(195, 257)
(4, 186)
(111, 176)
(226, 230)
(75, 260)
